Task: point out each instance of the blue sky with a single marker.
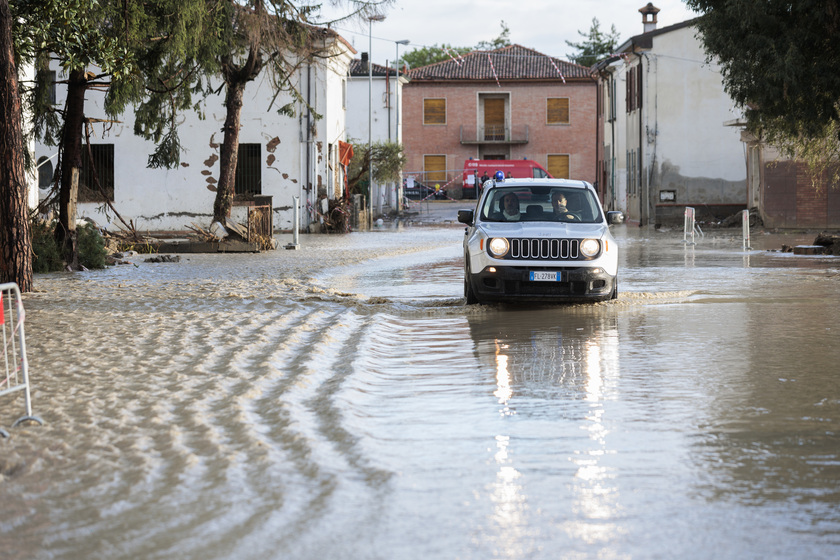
(544, 25)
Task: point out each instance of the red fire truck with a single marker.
(476, 171)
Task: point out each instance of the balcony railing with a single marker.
(494, 134)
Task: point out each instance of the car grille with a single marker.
(544, 249)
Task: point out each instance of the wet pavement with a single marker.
(340, 401)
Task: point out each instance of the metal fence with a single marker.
(16, 367)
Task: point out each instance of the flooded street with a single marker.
(341, 402)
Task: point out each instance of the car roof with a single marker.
(544, 182)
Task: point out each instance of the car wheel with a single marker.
(469, 295)
(614, 294)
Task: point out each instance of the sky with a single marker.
(542, 25)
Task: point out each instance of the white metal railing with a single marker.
(745, 229)
(16, 367)
(690, 227)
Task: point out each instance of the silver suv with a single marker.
(539, 240)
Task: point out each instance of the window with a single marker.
(101, 171)
(435, 169)
(557, 110)
(434, 111)
(558, 166)
(52, 87)
(634, 88)
(248, 180)
(45, 173)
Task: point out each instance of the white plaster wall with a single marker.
(358, 88)
(170, 200)
(686, 108)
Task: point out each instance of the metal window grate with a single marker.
(103, 165)
(248, 179)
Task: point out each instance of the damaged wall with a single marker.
(284, 157)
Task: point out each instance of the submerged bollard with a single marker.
(295, 244)
(688, 225)
(745, 229)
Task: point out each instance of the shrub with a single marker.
(92, 251)
(45, 254)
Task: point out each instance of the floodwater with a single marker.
(340, 402)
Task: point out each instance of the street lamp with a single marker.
(397, 90)
(371, 19)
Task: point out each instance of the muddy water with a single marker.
(340, 402)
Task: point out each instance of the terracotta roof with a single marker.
(514, 62)
(358, 68)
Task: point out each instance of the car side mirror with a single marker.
(615, 217)
(466, 217)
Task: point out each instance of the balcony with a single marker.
(494, 134)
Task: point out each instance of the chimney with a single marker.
(649, 17)
(365, 61)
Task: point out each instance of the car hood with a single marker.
(542, 229)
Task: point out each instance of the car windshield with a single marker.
(541, 203)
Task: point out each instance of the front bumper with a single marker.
(512, 283)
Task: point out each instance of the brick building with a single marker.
(785, 193)
(509, 103)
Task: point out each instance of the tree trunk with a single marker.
(229, 152)
(15, 237)
(71, 165)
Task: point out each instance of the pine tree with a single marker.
(597, 44)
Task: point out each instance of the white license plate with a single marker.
(544, 276)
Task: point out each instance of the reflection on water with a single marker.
(340, 402)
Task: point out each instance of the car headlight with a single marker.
(590, 247)
(498, 246)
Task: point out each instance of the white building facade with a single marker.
(664, 144)
(280, 157)
(375, 94)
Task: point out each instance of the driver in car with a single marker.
(561, 213)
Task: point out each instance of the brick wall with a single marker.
(527, 107)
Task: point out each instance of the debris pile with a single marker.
(824, 244)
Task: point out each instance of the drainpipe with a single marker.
(644, 203)
(612, 112)
(309, 134)
(388, 97)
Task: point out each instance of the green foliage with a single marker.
(92, 251)
(45, 254)
(503, 40)
(596, 45)
(778, 60)
(388, 162)
(430, 55)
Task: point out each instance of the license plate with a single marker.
(545, 276)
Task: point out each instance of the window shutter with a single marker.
(558, 166)
(434, 111)
(435, 168)
(557, 110)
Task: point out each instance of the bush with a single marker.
(45, 254)
(92, 251)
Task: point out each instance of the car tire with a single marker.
(469, 295)
(614, 294)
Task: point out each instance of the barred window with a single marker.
(248, 180)
(102, 170)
